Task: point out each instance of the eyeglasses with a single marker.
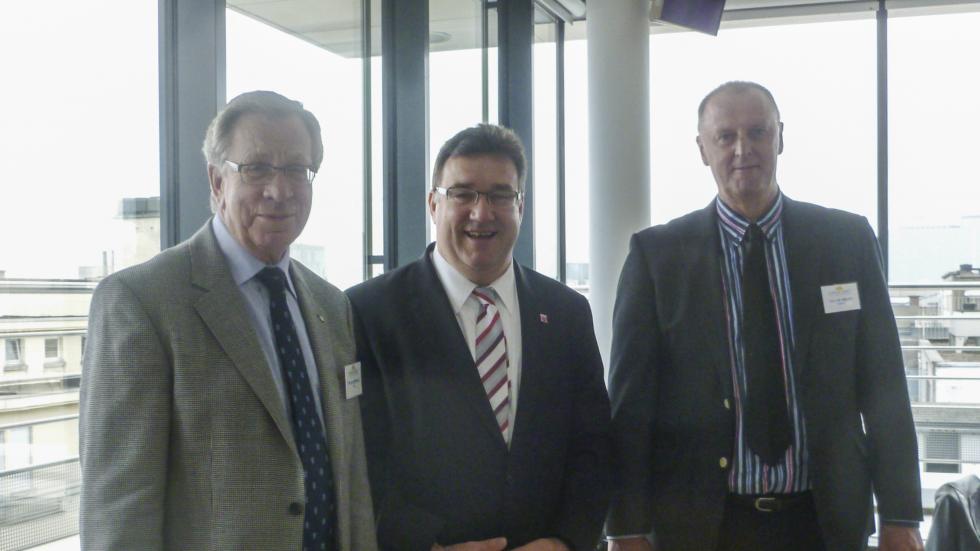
(466, 197)
(263, 173)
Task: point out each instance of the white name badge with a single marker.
(840, 297)
(352, 380)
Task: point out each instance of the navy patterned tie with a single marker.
(320, 515)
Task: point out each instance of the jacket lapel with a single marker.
(535, 342)
(803, 260)
(322, 343)
(224, 311)
(703, 291)
(431, 303)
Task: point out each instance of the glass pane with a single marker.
(324, 72)
(577, 159)
(79, 142)
(934, 200)
(377, 134)
(455, 72)
(826, 94)
(545, 164)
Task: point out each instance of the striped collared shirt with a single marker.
(749, 475)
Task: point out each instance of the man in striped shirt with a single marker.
(757, 381)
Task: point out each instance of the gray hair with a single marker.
(738, 87)
(218, 137)
(483, 139)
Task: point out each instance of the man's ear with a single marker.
(431, 201)
(216, 182)
(780, 138)
(704, 159)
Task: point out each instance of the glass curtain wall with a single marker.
(269, 48)
(79, 143)
(934, 199)
(577, 157)
(545, 162)
(826, 95)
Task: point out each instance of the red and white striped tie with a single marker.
(491, 356)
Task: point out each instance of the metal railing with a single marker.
(39, 504)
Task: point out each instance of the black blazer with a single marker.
(671, 382)
(440, 470)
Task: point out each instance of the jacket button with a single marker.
(727, 404)
(295, 508)
(723, 462)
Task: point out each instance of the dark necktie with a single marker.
(320, 516)
(767, 425)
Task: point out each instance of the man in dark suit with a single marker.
(485, 413)
(757, 382)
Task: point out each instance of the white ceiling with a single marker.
(335, 25)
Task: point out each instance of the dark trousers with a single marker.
(792, 528)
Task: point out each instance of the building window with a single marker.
(14, 355)
(52, 353)
(52, 348)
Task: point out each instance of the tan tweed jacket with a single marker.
(184, 441)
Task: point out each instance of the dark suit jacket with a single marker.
(671, 376)
(439, 467)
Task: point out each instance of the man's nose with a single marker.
(278, 188)
(482, 209)
(743, 146)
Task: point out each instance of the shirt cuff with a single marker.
(900, 522)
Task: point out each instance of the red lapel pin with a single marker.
(543, 318)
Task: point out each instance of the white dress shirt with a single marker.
(459, 290)
(244, 266)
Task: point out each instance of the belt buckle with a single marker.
(766, 504)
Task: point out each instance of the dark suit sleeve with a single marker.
(400, 525)
(124, 424)
(636, 352)
(883, 395)
(587, 465)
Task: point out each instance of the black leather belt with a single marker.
(772, 503)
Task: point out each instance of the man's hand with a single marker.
(544, 544)
(495, 544)
(899, 538)
(630, 544)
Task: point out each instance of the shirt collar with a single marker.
(459, 289)
(735, 225)
(243, 264)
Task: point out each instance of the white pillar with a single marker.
(618, 33)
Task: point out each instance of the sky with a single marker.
(79, 125)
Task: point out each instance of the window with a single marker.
(52, 353)
(545, 134)
(577, 159)
(455, 70)
(79, 143)
(934, 202)
(15, 448)
(52, 348)
(14, 358)
(830, 129)
(272, 48)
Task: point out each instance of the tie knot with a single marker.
(273, 278)
(754, 233)
(485, 295)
